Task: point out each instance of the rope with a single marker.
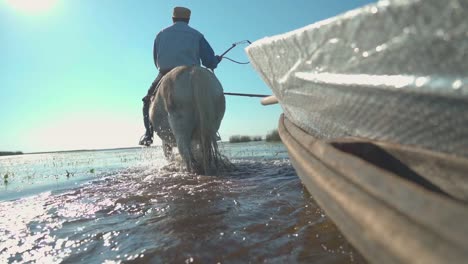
(233, 46)
(248, 95)
(238, 62)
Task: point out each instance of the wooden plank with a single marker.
(388, 219)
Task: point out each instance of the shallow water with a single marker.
(130, 206)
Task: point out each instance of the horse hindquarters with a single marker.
(210, 106)
(194, 101)
(181, 115)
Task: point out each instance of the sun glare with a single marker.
(32, 6)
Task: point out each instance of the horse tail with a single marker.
(208, 113)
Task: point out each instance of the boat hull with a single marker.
(391, 214)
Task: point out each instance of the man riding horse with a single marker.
(176, 45)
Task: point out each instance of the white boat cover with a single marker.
(394, 71)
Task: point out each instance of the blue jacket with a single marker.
(180, 45)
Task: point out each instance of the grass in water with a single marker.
(5, 178)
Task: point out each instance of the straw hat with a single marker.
(181, 12)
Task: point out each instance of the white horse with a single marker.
(187, 112)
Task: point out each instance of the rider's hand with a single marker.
(219, 58)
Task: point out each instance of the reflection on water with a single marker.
(133, 209)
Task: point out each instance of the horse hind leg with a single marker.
(182, 124)
(167, 150)
(184, 146)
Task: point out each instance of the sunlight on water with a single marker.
(135, 208)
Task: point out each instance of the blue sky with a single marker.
(73, 72)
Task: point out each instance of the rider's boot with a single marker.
(147, 138)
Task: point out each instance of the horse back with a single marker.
(178, 86)
(166, 89)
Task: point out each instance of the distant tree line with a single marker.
(8, 153)
(273, 136)
(238, 139)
